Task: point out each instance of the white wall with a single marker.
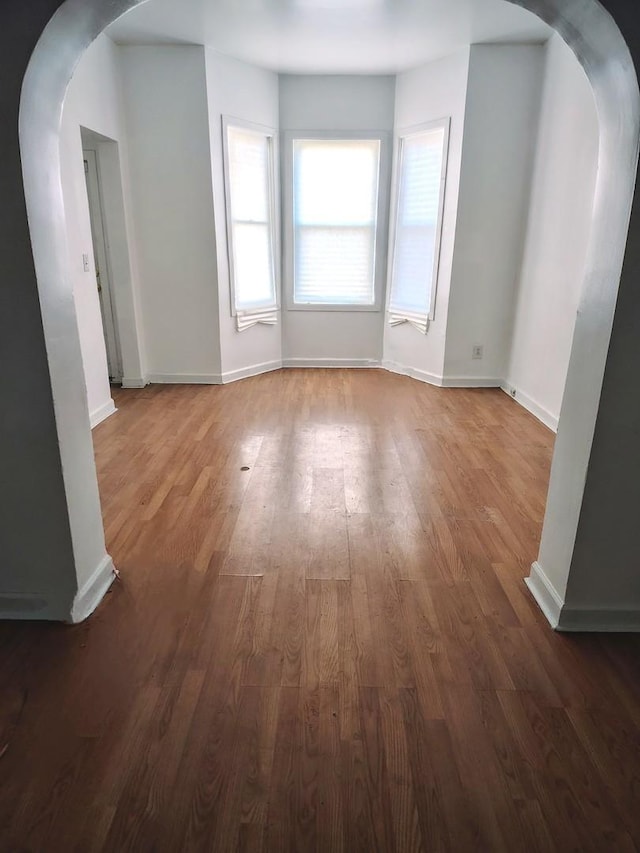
(245, 92)
(501, 122)
(175, 97)
(94, 101)
(170, 159)
(557, 235)
(437, 90)
(341, 104)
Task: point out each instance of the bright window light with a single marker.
(335, 204)
(251, 218)
(422, 168)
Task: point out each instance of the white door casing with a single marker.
(102, 267)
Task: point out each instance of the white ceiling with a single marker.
(330, 36)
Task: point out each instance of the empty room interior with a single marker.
(325, 262)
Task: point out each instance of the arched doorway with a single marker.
(597, 42)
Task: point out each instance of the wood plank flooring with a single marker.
(332, 650)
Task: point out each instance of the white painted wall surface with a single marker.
(251, 94)
(501, 127)
(341, 104)
(170, 158)
(558, 234)
(94, 101)
(437, 90)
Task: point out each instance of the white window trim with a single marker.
(398, 316)
(384, 180)
(268, 315)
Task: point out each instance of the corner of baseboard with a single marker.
(543, 415)
(251, 370)
(134, 381)
(413, 373)
(101, 414)
(545, 594)
(395, 367)
(93, 591)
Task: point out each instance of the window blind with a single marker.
(335, 205)
(251, 225)
(418, 226)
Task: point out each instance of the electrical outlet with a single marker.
(477, 351)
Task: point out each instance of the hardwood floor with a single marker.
(332, 650)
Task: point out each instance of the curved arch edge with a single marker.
(589, 30)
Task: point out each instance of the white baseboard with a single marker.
(471, 382)
(93, 591)
(96, 417)
(185, 378)
(413, 373)
(330, 362)
(214, 378)
(134, 381)
(531, 406)
(251, 370)
(547, 597)
(563, 617)
(439, 380)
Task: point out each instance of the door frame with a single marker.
(102, 261)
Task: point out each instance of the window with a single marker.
(334, 221)
(422, 161)
(251, 222)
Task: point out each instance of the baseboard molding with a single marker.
(251, 370)
(185, 378)
(439, 380)
(134, 381)
(102, 413)
(93, 591)
(528, 403)
(413, 373)
(330, 362)
(547, 597)
(471, 382)
(601, 620)
(567, 619)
